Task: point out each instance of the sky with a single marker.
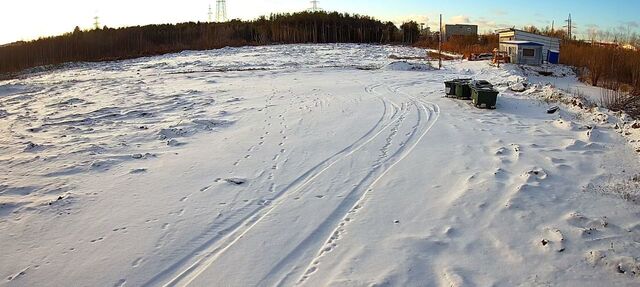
(30, 19)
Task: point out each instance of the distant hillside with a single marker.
(130, 42)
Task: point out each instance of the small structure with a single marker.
(523, 52)
(550, 45)
(451, 30)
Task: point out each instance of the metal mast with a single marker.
(221, 11)
(570, 27)
(440, 45)
(314, 6)
(96, 22)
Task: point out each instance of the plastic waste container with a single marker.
(463, 89)
(450, 87)
(484, 96)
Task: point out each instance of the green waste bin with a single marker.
(484, 96)
(463, 90)
(482, 84)
(450, 87)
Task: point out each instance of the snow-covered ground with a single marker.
(314, 165)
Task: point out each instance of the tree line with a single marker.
(609, 66)
(131, 42)
(463, 45)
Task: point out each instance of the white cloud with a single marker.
(460, 19)
(417, 18)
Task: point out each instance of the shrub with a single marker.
(603, 65)
(617, 100)
(465, 45)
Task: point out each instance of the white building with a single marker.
(550, 45)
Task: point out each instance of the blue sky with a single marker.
(29, 19)
(586, 14)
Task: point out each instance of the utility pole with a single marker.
(221, 11)
(440, 45)
(314, 6)
(570, 27)
(96, 22)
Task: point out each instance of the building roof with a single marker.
(465, 25)
(528, 43)
(523, 31)
(506, 30)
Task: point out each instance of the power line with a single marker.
(96, 22)
(314, 6)
(221, 11)
(569, 27)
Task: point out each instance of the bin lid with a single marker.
(459, 80)
(482, 83)
(484, 89)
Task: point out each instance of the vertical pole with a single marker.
(570, 28)
(440, 45)
(96, 23)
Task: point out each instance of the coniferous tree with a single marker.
(130, 42)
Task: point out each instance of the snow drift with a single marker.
(291, 165)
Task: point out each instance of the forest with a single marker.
(605, 66)
(131, 42)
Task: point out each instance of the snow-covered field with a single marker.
(314, 165)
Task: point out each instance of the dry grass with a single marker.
(436, 55)
(465, 45)
(604, 66)
(618, 100)
(627, 188)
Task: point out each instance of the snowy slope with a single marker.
(313, 165)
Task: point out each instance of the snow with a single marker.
(522, 43)
(406, 66)
(313, 165)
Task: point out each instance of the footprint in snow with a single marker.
(138, 170)
(236, 181)
(553, 239)
(137, 262)
(97, 240)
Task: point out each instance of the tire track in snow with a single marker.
(339, 216)
(189, 267)
(431, 112)
(305, 247)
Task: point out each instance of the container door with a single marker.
(553, 57)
